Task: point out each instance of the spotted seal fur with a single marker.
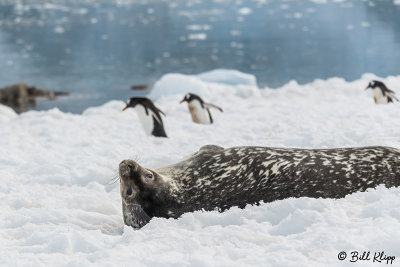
(218, 178)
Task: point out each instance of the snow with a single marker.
(59, 207)
(197, 36)
(6, 114)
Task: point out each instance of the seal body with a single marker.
(217, 178)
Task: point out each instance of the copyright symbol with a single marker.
(342, 255)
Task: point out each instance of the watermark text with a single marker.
(360, 256)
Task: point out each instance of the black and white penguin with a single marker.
(382, 95)
(199, 110)
(149, 115)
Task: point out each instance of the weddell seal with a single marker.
(218, 178)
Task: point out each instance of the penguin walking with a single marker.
(199, 110)
(149, 115)
(382, 95)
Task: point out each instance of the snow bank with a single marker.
(6, 114)
(217, 82)
(58, 207)
(231, 77)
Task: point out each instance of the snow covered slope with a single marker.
(57, 206)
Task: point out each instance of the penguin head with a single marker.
(133, 101)
(190, 97)
(376, 85)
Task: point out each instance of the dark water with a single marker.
(98, 49)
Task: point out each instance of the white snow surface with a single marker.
(58, 208)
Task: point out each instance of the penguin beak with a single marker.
(183, 100)
(367, 87)
(124, 108)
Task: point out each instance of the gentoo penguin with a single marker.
(382, 95)
(149, 115)
(199, 110)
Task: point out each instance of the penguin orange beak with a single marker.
(124, 108)
(366, 88)
(183, 100)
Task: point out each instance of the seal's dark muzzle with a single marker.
(127, 168)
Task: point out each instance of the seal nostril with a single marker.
(129, 192)
(131, 167)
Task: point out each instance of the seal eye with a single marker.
(129, 192)
(149, 176)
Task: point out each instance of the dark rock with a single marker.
(17, 93)
(140, 86)
(19, 96)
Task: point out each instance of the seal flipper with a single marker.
(135, 216)
(211, 148)
(166, 170)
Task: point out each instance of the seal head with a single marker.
(144, 193)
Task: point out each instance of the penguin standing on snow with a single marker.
(149, 115)
(199, 110)
(382, 95)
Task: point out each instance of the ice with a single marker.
(197, 36)
(230, 77)
(59, 190)
(244, 11)
(195, 27)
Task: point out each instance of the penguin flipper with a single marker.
(209, 115)
(391, 96)
(158, 128)
(209, 105)
(390, 91)
(159, 110)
